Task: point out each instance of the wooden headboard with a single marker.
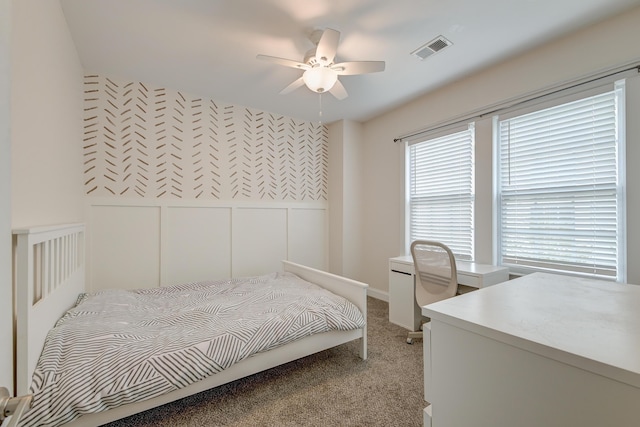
(49, 276)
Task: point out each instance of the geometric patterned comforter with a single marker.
(116, 346)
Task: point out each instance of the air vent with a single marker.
(428, 49)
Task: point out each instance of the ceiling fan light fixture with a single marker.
(321, 71)
(320, 79)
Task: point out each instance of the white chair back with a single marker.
(436, 272)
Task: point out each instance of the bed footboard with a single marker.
(354, 291)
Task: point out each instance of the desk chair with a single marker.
(436, 275)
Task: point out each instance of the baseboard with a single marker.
(377, 294)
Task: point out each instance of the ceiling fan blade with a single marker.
(338, 91)
(283, 61)
(327, 46)
(293, 86)
(358, 67)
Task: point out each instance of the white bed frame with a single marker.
(50, 275)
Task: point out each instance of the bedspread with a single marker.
(116, 346)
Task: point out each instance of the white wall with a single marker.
(345, 197)
(6, 333)
(601, 46)
(41, 167)
(336, 196)
(46, 108)
(633, 180)
(352, 206)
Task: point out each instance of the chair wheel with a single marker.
(409, 340)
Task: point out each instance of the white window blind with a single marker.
(561, 188)
(441, 191)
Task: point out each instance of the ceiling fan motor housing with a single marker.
(311, 60)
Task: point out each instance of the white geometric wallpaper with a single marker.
(151, 142)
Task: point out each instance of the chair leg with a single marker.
(414, 335)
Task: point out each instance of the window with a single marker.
(441, 190)
(560, 187)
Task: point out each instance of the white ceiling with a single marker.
(208, 47)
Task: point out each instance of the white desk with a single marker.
(403, 309)
(540, 350)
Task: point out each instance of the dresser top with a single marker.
(591, 324)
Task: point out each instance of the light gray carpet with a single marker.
(331, 388)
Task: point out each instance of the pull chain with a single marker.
(320, 107)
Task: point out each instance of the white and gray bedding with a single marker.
(116, 347)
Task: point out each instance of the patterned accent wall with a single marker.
(144, 141)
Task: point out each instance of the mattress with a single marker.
(116, 346)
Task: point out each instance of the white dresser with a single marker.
(541, 350)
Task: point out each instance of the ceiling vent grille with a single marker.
(428, 49)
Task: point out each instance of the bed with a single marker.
(49, 280)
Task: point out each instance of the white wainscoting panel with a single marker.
(151, 243)
(124, 247)
(260, 240)
(307, 229)
(198, 244)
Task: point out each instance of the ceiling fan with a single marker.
(320, 72)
